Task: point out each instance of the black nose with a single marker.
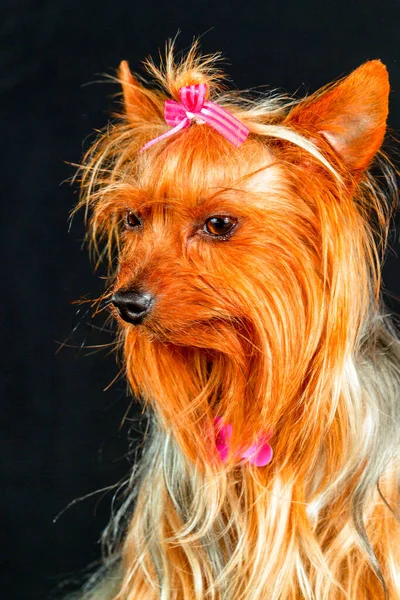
(132, 306)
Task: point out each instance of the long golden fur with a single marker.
(279, 327)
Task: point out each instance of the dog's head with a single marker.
(244, 274)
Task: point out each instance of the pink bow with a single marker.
(194, 107)
(258, 454)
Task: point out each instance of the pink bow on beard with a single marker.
(258, 454)
(194, 107)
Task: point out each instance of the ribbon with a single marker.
(194, 107)
(258, 454)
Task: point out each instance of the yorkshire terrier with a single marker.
(249, 233)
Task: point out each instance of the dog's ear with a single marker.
(350, 114)
(140, 103)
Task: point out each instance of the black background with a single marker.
(61, 435)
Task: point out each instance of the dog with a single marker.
(249, 233)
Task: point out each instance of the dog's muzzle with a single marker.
(132, 306)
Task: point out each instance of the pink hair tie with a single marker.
(194, 107)
(258, 454)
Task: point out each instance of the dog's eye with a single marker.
(220, 226)
(132, 220)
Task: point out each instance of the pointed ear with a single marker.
(351, 114)
(140, 103)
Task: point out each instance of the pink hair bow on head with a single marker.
(193, 106)
(258, 454)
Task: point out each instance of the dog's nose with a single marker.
(132, 306)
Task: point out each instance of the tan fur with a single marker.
(278, 328)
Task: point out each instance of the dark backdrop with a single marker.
(62, 437)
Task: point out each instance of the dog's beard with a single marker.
(189, 375)
(259, 372)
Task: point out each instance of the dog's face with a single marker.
(205, 247)
(243, 272)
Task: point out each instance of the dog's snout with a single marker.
(132, 306)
